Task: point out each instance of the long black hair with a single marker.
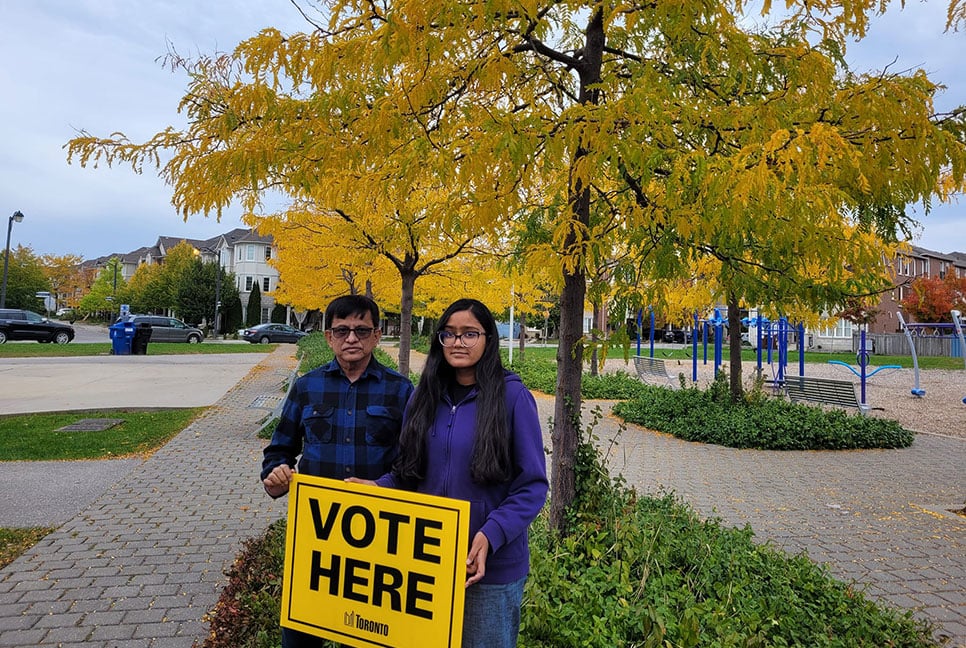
(492, 450)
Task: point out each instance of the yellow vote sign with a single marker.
(369, 566)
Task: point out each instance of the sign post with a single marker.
(368, 566)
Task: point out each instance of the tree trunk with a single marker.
(734, 347)
(566, 414)
(566, 424)
(406, 320)
(522, 342)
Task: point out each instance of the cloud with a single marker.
(96, 65)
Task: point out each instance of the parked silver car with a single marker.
(166, 329)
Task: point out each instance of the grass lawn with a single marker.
(37, 350)
(14, 542)
(679, 352)
(33, 437)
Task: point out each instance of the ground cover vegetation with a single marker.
(35, 437)
(710, 415)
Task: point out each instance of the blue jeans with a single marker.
(491, 615)
(295, 639)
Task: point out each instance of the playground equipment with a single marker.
(957, 323)
(770, 341)
(862, 358)
(958, 327)
(918, 328)
(917, 391)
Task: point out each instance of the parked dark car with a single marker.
(681, 336)
(16, 324)
(271, 333)
(166, 329)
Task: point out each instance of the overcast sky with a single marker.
(67, 65)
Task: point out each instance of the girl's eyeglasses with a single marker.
(469, 338)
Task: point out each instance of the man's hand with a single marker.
(356, 480)
(278, 481)
(476, 559)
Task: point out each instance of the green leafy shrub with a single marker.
(709, 416)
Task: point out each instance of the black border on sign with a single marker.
(390, 494)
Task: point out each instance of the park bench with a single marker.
(649, 369)
(823, 391)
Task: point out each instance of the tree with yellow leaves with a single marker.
(67, 281)
(699, 139)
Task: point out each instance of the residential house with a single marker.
(240, 251)
(917, 262)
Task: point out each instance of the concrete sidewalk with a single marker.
(141, 564)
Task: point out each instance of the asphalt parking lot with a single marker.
(89, 382)
(56, 384)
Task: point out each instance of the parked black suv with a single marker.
(16, 324)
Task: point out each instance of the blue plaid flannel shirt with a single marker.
(341, 429)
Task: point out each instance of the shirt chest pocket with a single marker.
(382, 425)
(319, 424)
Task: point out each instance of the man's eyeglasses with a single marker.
(342, 332)
(469, 338)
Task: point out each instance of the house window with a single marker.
(251, 253)
(268, 252)
(239, 254)
(265, 284)
(266, 315)
(842, 329)
(248, 284)
(905, 267)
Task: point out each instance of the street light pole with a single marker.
(16, 216)
(217, 293)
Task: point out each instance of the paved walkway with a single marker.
(142, 564)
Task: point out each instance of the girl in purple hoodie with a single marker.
(472, 432)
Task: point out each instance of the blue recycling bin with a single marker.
(122, 338)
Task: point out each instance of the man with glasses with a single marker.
(343, 418)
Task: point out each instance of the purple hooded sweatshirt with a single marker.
(502, 511)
